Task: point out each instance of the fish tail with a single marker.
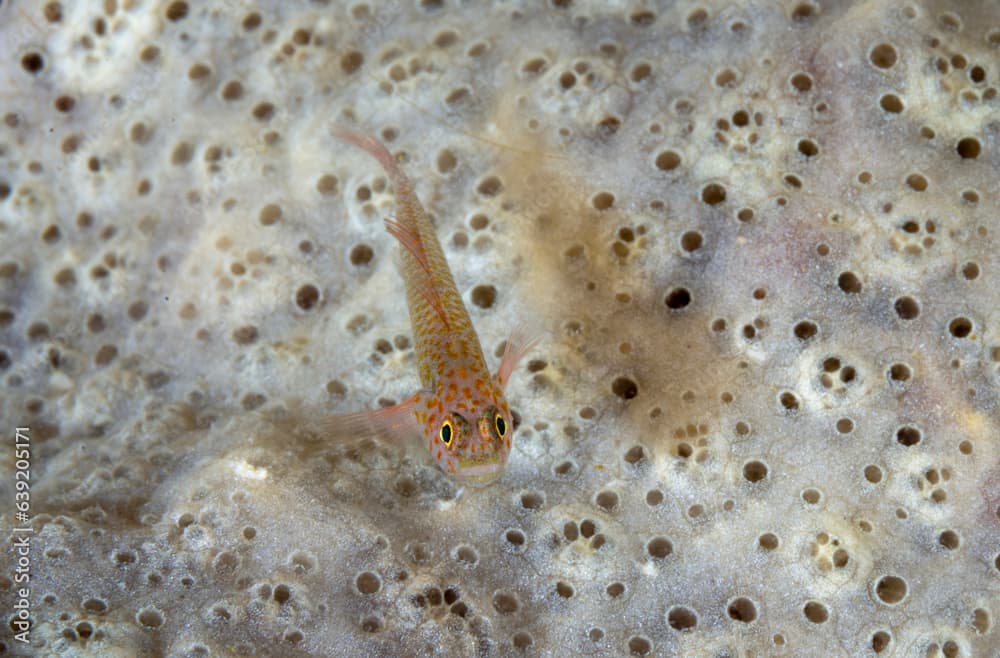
(411, 226)
(377, 150)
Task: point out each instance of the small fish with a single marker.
(461, 411)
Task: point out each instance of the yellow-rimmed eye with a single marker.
(501, 425)
(447, 433)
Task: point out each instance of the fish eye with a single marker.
(447, 433)
(501, 426)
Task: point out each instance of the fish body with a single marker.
(461, 411)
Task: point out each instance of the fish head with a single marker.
(471, 440)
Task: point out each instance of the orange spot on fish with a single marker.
(467, 392)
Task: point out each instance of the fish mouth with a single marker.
(480, 471)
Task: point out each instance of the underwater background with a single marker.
(760, 241)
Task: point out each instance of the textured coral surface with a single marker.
(762, 239)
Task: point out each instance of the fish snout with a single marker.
(480, 471)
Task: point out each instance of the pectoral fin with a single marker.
(521, 341)
(397, 423)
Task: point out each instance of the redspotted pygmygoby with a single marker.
(460, 411)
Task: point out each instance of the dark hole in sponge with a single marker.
(624, 388)
(484, 296)
(678, 298)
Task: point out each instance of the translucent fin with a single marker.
(377, 150)
(410, 240)
(521, 341)
(397, 423)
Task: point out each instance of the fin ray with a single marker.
(521, 341)
(397, 423)
(410, 240)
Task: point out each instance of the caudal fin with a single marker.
(376, 149)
